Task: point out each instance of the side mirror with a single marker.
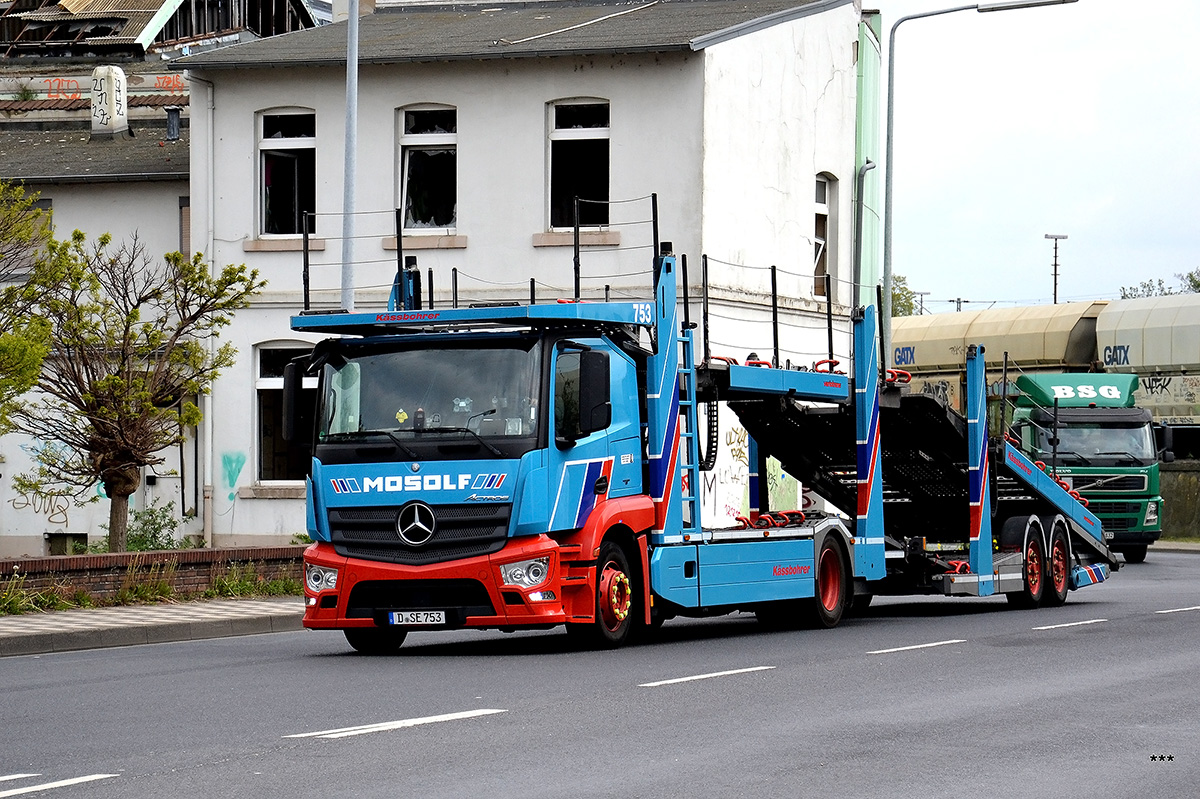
(595, 400)
(1164, 439)
(293, 428)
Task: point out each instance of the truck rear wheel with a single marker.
(1035, 572)
(614, 602)
(375, 640)
(833, 583)
(1059, 584)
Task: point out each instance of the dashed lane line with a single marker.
(1071, 624)
(1178, 610)
(45, 786)
(695, 677)
(346, 732)
(917, 646)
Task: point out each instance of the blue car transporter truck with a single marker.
(526, 466)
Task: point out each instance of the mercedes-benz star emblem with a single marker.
(416, 523)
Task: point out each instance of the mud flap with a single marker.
(1083, 576)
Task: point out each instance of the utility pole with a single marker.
(921, 308)
(1055, 237)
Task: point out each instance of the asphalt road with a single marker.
(994, 702)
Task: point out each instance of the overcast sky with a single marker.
(1080, 119)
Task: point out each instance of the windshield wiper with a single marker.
(1070, 454)
(466, 430)
(399, 444)
(1129, 455)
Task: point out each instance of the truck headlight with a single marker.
(526, 573)
(320, 578)
(1151, 513)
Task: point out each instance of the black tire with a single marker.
(1135, 554)
(1030, 596)
(376, 640)
(615, 603)
(831, 593)
(1058, 570)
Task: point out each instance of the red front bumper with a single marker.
(471, 591)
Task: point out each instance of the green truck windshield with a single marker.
(1090, 444)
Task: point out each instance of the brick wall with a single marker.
(102, 576)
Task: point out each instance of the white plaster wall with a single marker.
(149, 208)
(779, 109)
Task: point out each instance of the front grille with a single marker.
(1114, 508)
(463, 531)
(459, 598)
(1101, 483)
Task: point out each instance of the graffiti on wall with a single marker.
(232, 464)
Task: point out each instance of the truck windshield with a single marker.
(1093, 443)
(432, 394)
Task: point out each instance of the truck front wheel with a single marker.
(1134, 554)
(614, 601)
(375, 640)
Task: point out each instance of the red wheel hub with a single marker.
(829, 575)
(1058, 565)
(1033, 567)
(616, 596)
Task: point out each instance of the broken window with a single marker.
(429, 168)
(821, 235)
(288, 160)
(579, 163)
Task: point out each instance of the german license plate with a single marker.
(418, 617)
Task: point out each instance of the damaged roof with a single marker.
(106, 22)
(73, 156)
(476, 31)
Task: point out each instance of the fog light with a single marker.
(542, 596)
(1151, 513)
(526, 573)
(320, 578)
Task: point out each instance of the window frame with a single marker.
(406, 143)
(556, 134)
(279, 145)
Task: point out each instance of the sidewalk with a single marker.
(94, 628)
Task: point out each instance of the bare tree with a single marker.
(133, 348)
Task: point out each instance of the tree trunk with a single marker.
(118, 521)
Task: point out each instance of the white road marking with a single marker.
(45, 786)
(1072, 624)
(346, 732)
(704, 676)
(918, 646)
(1179, 610)
(17, 777)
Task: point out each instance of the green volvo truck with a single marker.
(1086, 430)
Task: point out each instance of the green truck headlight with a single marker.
(1151, 513)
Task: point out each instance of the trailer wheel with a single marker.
(1059, 585)
(375, 640)
(1135, 554)
(833, 584)
(614, 602)
(1035, 572)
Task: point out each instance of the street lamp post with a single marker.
(1056, 237)
(1001, 5)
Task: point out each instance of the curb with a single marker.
(229, 620)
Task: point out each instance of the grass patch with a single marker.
(245, 580)
(15, 598)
